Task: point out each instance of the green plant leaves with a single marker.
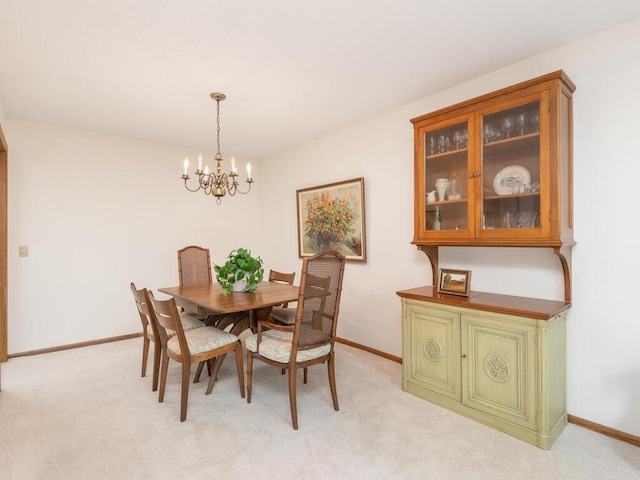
(240, 265)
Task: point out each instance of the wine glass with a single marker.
(487, 133)
(535, 121)
(521, 122)
(457, 138)
(441, 142)
(508, 124)
(432, 145)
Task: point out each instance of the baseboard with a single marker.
(75, 345)
(609, 432)
(369, 349)
(581, 422)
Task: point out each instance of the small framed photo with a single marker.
(454, 282)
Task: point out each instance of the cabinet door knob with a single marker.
(464, 356)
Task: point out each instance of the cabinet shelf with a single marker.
(445, 202)
(511, 195)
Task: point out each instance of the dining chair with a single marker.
(192, 346)
(194, 266)
(282, 314)
(311, 338)
(150, 331)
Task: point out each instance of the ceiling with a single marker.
(292, 70)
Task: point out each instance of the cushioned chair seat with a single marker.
(276, 346)
(202, 339)
(286, 316)
(189, 322)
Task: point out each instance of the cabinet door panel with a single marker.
(434, 350)
(499, 375)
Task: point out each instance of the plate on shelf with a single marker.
(510, 177)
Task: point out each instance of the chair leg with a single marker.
(249, 376)
(239, 367)
(145, 354)
(184, 397)
(217, 366)
(164, 366)
(332, 381)
(156, 365)
(292, 396)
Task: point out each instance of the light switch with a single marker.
(23, 251)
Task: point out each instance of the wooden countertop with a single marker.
(491, 302)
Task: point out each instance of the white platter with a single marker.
(510, 177)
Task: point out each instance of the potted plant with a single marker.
(241, 272)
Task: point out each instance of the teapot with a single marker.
(431, 196)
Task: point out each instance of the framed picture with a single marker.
(455, 282)
(332, 217)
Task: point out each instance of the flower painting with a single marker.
(331, 217)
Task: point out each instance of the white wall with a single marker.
(603, 330)
(97, 213)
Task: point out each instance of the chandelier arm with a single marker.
(240, 191)
(186, 178)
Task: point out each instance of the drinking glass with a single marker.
(457, 138)
(527, 219)
(487, 133)
(508, 124)
(521, 122)
(535, 121)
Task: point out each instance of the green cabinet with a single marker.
(497, 359)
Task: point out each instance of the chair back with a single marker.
(280, 277)
(168, 318)
(147, 315)
(319, 300)
(194, 266)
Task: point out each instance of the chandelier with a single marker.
(217, 183)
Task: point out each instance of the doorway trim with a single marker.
(3, 245)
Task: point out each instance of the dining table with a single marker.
(240, 310)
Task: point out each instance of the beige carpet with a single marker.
(87, 414)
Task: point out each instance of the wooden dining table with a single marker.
(241, 310)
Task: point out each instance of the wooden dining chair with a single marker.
(193, 346)
(283, 313)
(311, 339)
(194, 266)
(150, 331)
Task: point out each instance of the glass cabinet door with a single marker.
(446, 189)
(511, 169)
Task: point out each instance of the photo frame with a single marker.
(454, 282)
(332, 217)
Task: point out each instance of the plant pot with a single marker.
(240, 286)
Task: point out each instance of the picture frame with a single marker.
(454, 282)
(332, 217)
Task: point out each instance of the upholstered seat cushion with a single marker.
(202, 340)
(276, 345)
(286, 316)
(189, 322)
